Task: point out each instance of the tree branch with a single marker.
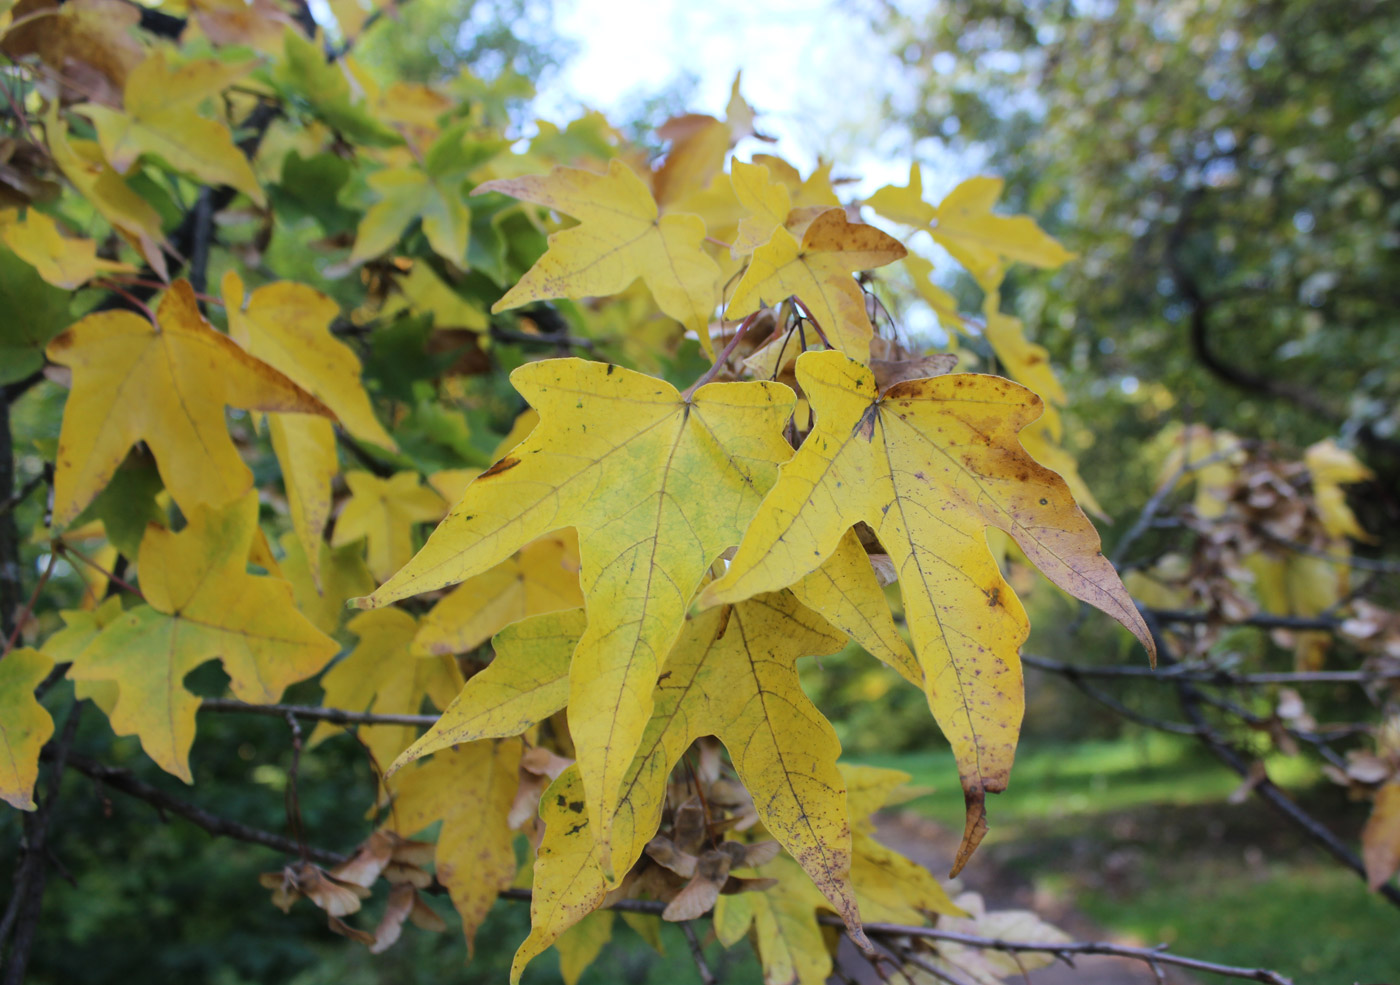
(122, 781)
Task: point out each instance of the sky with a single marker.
(813, 70)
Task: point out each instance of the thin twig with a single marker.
(722, 358)
(1260, 620)
(68, 550)
(698, 954)
(1212, 675)
(30, 880)
(1153, 506)
(336, 716)
(122, 781)
(28, 610)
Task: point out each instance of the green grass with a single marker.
(1228, 883)
(1088, 778)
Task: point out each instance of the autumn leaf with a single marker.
(929, 465)
(580, 945)
(905, 205)
(734, 676)
(380, 675)
(58, 259)
(97, 181)
(383, 512)
(470, 790)
(568, 881)
(656, 484)
(201, 604)
(305, 448)
(343, 576)
(541, 577)
(620, 237)
(24, 725)
(989, 966)
(1332, 467)
(160, 117)
(288, 326)
(166, 384)
(846, 591)
(766, 201)
(788, 938)
(36, 312)
(88, 42)
(983, 242)
(432, 193)
(1380, 839)
(81, 627)
(817, 270)
(525, 683)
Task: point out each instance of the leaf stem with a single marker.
(722, 358)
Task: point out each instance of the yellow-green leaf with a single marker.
(581, 944)
(167, 385)
(469, 789)
(620, 237)
(818, 272)
(541, 577)
(983, 242)
(288, 326)
(733, 675)
(905, 205)
(160, 116)
(929, 466)
(61, 261)
(568, 883)
(382, 676)
(24, 725)
(384, 511)
(305, 448)
(343, 575)
(526, 682)
(658, 487)
(766, 201)
(201, 604)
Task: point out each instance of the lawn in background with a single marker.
(1140, 836)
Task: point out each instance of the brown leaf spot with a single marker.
(504, 465)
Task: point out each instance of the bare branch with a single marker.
(336, 716)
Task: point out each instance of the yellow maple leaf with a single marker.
(657, 485)
(846, 591)
(383, 512)
(766, 202)
(343, 575)
(24, 725)
(288, 326)
(160, 117)
(166, 384)
(1332, 467)
(580, 945)
(568, 883)
(81, 627)
(525, 683)
(1380, 839)
(905, 205)
(621, 236)
(97, 181)
(380, 675)
(817, 271)
(431, 192)
(541, 577)
(929, 465)
(790, 943)
(734, 676)
(61, 261)
(305, 448)
(470, 790)
(200, 604)
(982, 242)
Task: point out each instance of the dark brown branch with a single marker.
(30, 880)
(336, 716)
(697, 954)
(894, 930)
(122, 781)
(1211, 675)
(1261, 620)
(371, 464)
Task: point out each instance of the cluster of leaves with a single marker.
(639, 568)
(1274, 536)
